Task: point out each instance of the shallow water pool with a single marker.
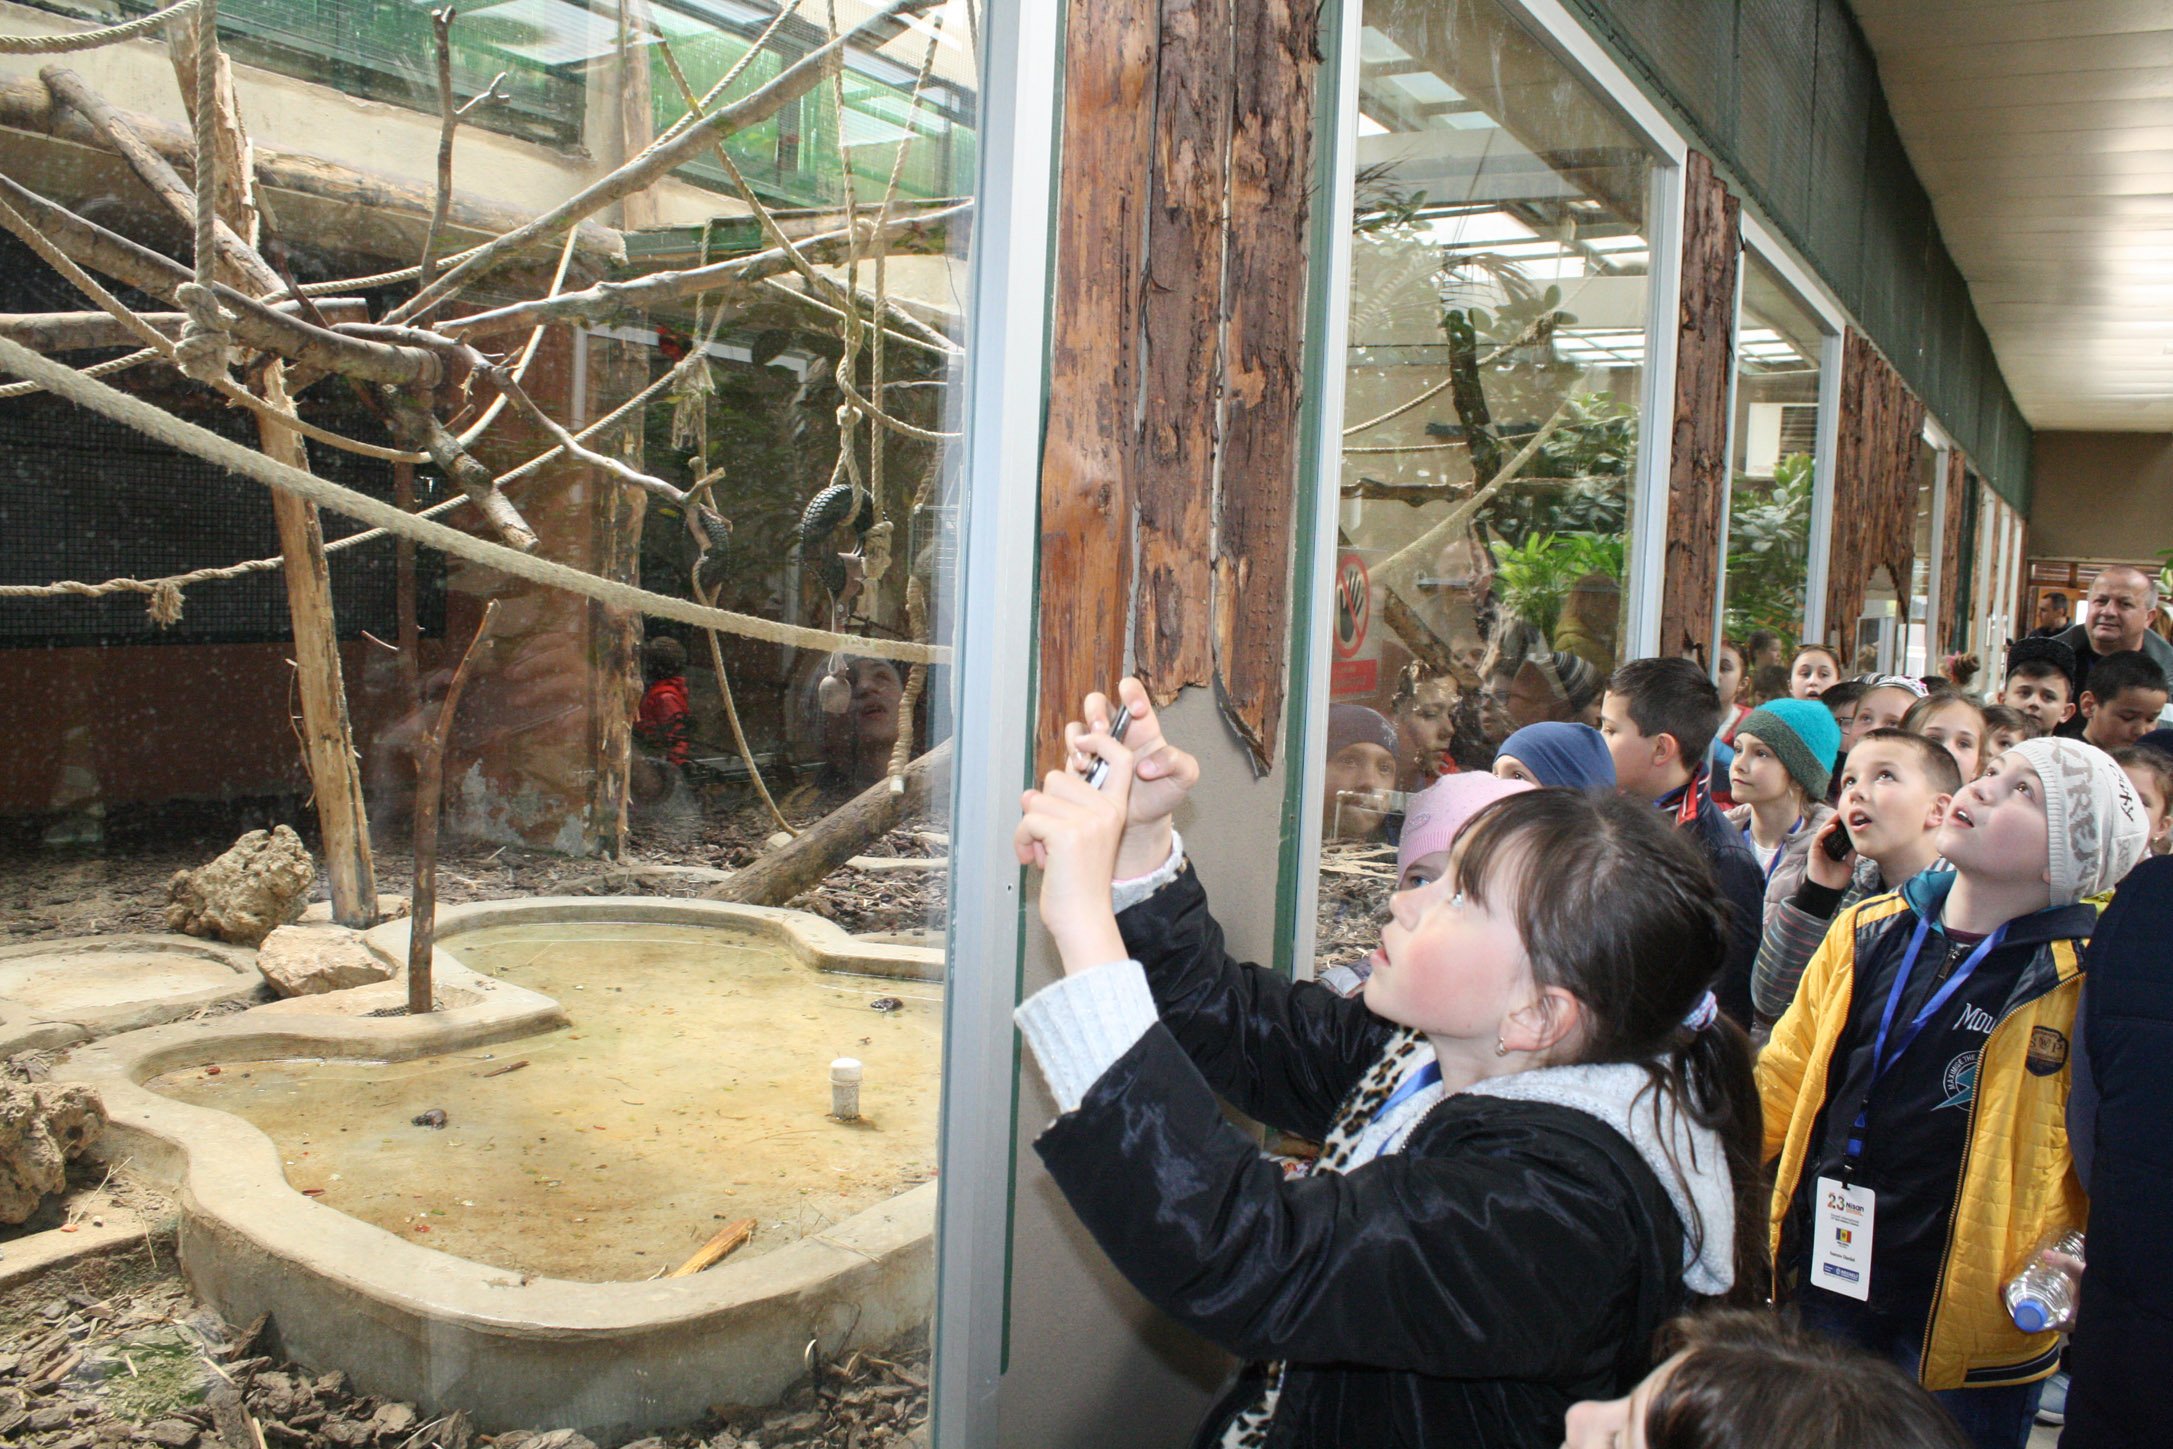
(691, 1090)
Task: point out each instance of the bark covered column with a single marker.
(1874, 483)
(1697, 545)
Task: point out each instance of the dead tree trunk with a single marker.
(422, 920)
(808, 857)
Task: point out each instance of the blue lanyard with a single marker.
(1411, 1086)
(1882, 1061)
(1778, 851)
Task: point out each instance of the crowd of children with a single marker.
(1625, 1055)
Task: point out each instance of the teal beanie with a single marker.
(1802, 732)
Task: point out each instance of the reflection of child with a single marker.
(661, 725)
(1532, 1132)
(1361, 772)
(1426, 709)
(1921, 1145)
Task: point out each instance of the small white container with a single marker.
(845, 1089)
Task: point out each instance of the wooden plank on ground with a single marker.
(729, 1239)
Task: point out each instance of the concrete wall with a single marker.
(2102, 495)
(1090, 1364)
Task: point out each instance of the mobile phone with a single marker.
(1099, 770)
(1837, 845)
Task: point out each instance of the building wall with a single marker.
(2094, 489)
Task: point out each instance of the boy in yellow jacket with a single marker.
(1915, 1089)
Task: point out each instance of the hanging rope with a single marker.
(204, 349)
(153, 422)
(93, 39)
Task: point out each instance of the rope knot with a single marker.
(165, 606)
(204, 348)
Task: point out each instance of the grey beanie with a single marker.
(2095, 826)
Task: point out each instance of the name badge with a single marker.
(1841, 1239)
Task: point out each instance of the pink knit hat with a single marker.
(1436, 813)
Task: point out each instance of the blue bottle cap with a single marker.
(2031, 1316)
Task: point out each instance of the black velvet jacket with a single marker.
(1513, 1258)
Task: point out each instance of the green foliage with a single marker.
(1533, 577)
(1579, 482)
(1769, 549)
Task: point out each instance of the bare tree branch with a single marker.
(418, 427)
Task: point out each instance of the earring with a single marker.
(1501, 1048)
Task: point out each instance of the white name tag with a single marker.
(1841, 1239)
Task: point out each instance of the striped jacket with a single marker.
(1793, 933)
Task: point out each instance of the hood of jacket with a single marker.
(1687, 1158)
(1927, 896)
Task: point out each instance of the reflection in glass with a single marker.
(646, 1046)
(1499, 292)
(1916, 653)
(1778, 351)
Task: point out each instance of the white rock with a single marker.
(310, 960)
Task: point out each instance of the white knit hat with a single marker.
(2095, 825)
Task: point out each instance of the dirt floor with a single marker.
(113, 1350)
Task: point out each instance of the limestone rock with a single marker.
(308, 960)
(43, 1126)
(257, 885)
(389, 908)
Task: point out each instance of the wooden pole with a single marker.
(422, 924)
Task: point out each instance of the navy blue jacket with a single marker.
(1743, 887)
(2124, 1334)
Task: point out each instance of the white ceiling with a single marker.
(2043, 130)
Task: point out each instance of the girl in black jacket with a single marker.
(1538, 1138)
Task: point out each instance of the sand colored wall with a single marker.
(2102, 495)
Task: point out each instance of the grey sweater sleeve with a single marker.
(1792, 937)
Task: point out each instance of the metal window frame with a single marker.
(1005, 391)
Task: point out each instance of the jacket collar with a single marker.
(1927, 892)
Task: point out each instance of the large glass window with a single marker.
(470, 909)
(1919, 653)
(1499, 294)
(1779, 347)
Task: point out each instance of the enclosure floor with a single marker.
(692, 1089)
(86, 979)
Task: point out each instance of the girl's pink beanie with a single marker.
(1437, 812)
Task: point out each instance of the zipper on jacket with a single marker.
(1961, 1176)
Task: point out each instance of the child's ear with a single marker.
(2089, 706)
(1551, 1020)
(2067, 711)
(1666, 750)
(1938, 813)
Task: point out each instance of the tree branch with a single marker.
(668, 153)
(417, 427)
(78, 331)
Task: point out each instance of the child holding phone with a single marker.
(1538, 1135)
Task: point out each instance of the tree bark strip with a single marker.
(1951, 624)
(1087, 458)
(1270, 176)
(1875, 485)
(1698, 475)
(808, 858)
(1181, 346)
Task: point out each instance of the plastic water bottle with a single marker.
(2042, 1296)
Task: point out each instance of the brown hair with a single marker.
(1999, 717)
(1946, 775)
(2154, 763)
(1831, 653)
(1619, 909)
(1749, 1380)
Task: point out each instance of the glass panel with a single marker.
(1499, 294)
(1917, 650)
(1778, 348)
(640, 1042)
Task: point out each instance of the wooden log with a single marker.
(1181, 346)
(637, 118)
(328, 743)
(422, 916)
(26, 105)
(1270, 177)
(803, 862)
(81, 331)
(1087, 458)
(1697, 547)
(729, 1239)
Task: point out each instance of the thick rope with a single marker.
(93, 39)
(97, 369)
(163, 427)
(731, 716)
(204, 350)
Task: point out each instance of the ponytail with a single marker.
(1708, 1075)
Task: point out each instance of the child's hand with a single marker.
(1163, 775)
(1821, 868)
(1071, 832)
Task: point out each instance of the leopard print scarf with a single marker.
(1406, 1052)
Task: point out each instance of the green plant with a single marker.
(1769, 546)
(1534, 576)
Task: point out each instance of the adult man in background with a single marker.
(2123, 601)
(2052, 615)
